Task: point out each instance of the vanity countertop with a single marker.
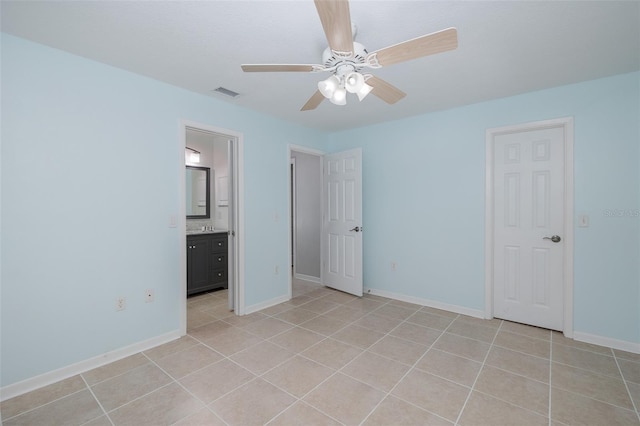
(200, 232)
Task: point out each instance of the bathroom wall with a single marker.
(220, 200)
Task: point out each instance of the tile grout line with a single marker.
(140, 397)
(410, 369)
(260, 376)
(593, 398)
(626, 385)
(177, 382)
(598, 373)
(406, 320)
(39, 406)
(337, 371)
(493, 367)
(299, 353)
(484, 361)
(550, 377)
(228, 358)
(104, 412)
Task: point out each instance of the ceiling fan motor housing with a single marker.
(344, 66)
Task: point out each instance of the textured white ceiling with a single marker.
(505, 48)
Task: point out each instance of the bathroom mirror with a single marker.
(198, 192)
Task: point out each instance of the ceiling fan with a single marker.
(345, 59)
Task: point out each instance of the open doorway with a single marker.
(211, 218)
(306, 219)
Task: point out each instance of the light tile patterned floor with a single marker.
(327, 358)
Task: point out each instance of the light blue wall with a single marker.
(90, 174)
(423, 199)
(89, 178)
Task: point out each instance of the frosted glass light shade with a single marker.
(364, 91)
(328, 87)
(339, 96)
(353, 83)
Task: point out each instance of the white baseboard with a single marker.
(54, 376)
(477, 313)
(622, 345)
(263, 305)
(307, 278)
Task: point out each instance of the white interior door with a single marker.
(342, 221)
(528, 188)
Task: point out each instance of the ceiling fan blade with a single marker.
(336, 22)
(385, 91)
(429, 44)
(313, 101)
(281, 68)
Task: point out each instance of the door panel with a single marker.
(528, 189)
(342, 221)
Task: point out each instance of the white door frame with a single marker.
(567, 124)
(293, 214)
(305, 150)
(238, 211)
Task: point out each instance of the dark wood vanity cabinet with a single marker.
(206, 262)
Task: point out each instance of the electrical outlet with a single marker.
(276, 270)
(394, 265)
(583, 221)
(149, 295)
(121, 304)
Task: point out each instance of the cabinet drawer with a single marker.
(219, 244)
(219, 260)
(218, 275)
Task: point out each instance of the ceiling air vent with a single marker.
(226, 92)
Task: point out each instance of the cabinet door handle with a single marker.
(220, 244)
(219, 259)
(219, 274)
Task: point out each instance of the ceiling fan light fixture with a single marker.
(339, 96)
(354, 82)
(345, 58)
(364, 91)
(329, 86)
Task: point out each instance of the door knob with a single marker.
(555, 238)
(356, 229)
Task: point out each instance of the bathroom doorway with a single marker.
(219, 150)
